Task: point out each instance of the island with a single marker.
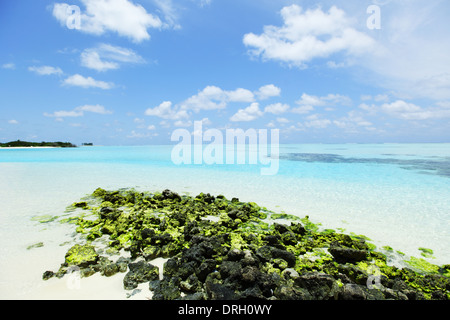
(24, 144)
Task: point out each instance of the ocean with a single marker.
(397, 195)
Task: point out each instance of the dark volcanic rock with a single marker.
(267, 253)
(217, 291)
(319, 285)
(140, 272)
(221, 249)
(344, 254)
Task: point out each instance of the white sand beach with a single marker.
(95, 287)
(404, 209)
(15, 148)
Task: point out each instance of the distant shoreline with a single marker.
(10, 148)
(43, 144)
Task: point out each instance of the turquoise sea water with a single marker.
(396, 194)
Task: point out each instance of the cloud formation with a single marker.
(212, 98)
(165, 111)
(108, 57)
(79, 111)
(268, 91)
(409, 111)
(10, 66)
(250, 113)
(215, 98)
(308, 103)
(45, 70)
(78, 80)
(123, 17)
(277, 108)
(413, 63)
(306, 35)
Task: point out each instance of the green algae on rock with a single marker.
(46, 218)
(36, 245)
(217, 248)
(427, 253)
(81, 255)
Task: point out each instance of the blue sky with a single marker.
(130, 72)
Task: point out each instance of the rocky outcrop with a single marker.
(221, 249)
(81, 256)
(140, 272)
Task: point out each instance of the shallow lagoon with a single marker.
(396, 194)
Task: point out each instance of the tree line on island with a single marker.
(58, 144)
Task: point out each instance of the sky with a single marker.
(131, 72)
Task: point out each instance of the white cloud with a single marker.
(170, 13)
(399, 107)
(215, 98)
(306, 35)
(94, 109)
(303, 109)
(10, 66)
(138, 135)
(13, 121)
(407, 56)
(240, 95)
(91, 59)
(271, 125)
(307, 102)
(183, 123)
(106, 57)
(318, 124)
(353, 120)
(165, 111)
(282, 120)
(436, 86)
(212, 98)
(443, 104)
(45, 70)
(120, 16)
(203, 3)
(330, 99)
(381, 97)
(206, 122)
(370, 109)
(335, 65)
(314, 121)
(277, 108)
(250, 113)
(268, 91)
(63, 114)
(79, 111)
(89, 82)
(409, 111)
(414, 62)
